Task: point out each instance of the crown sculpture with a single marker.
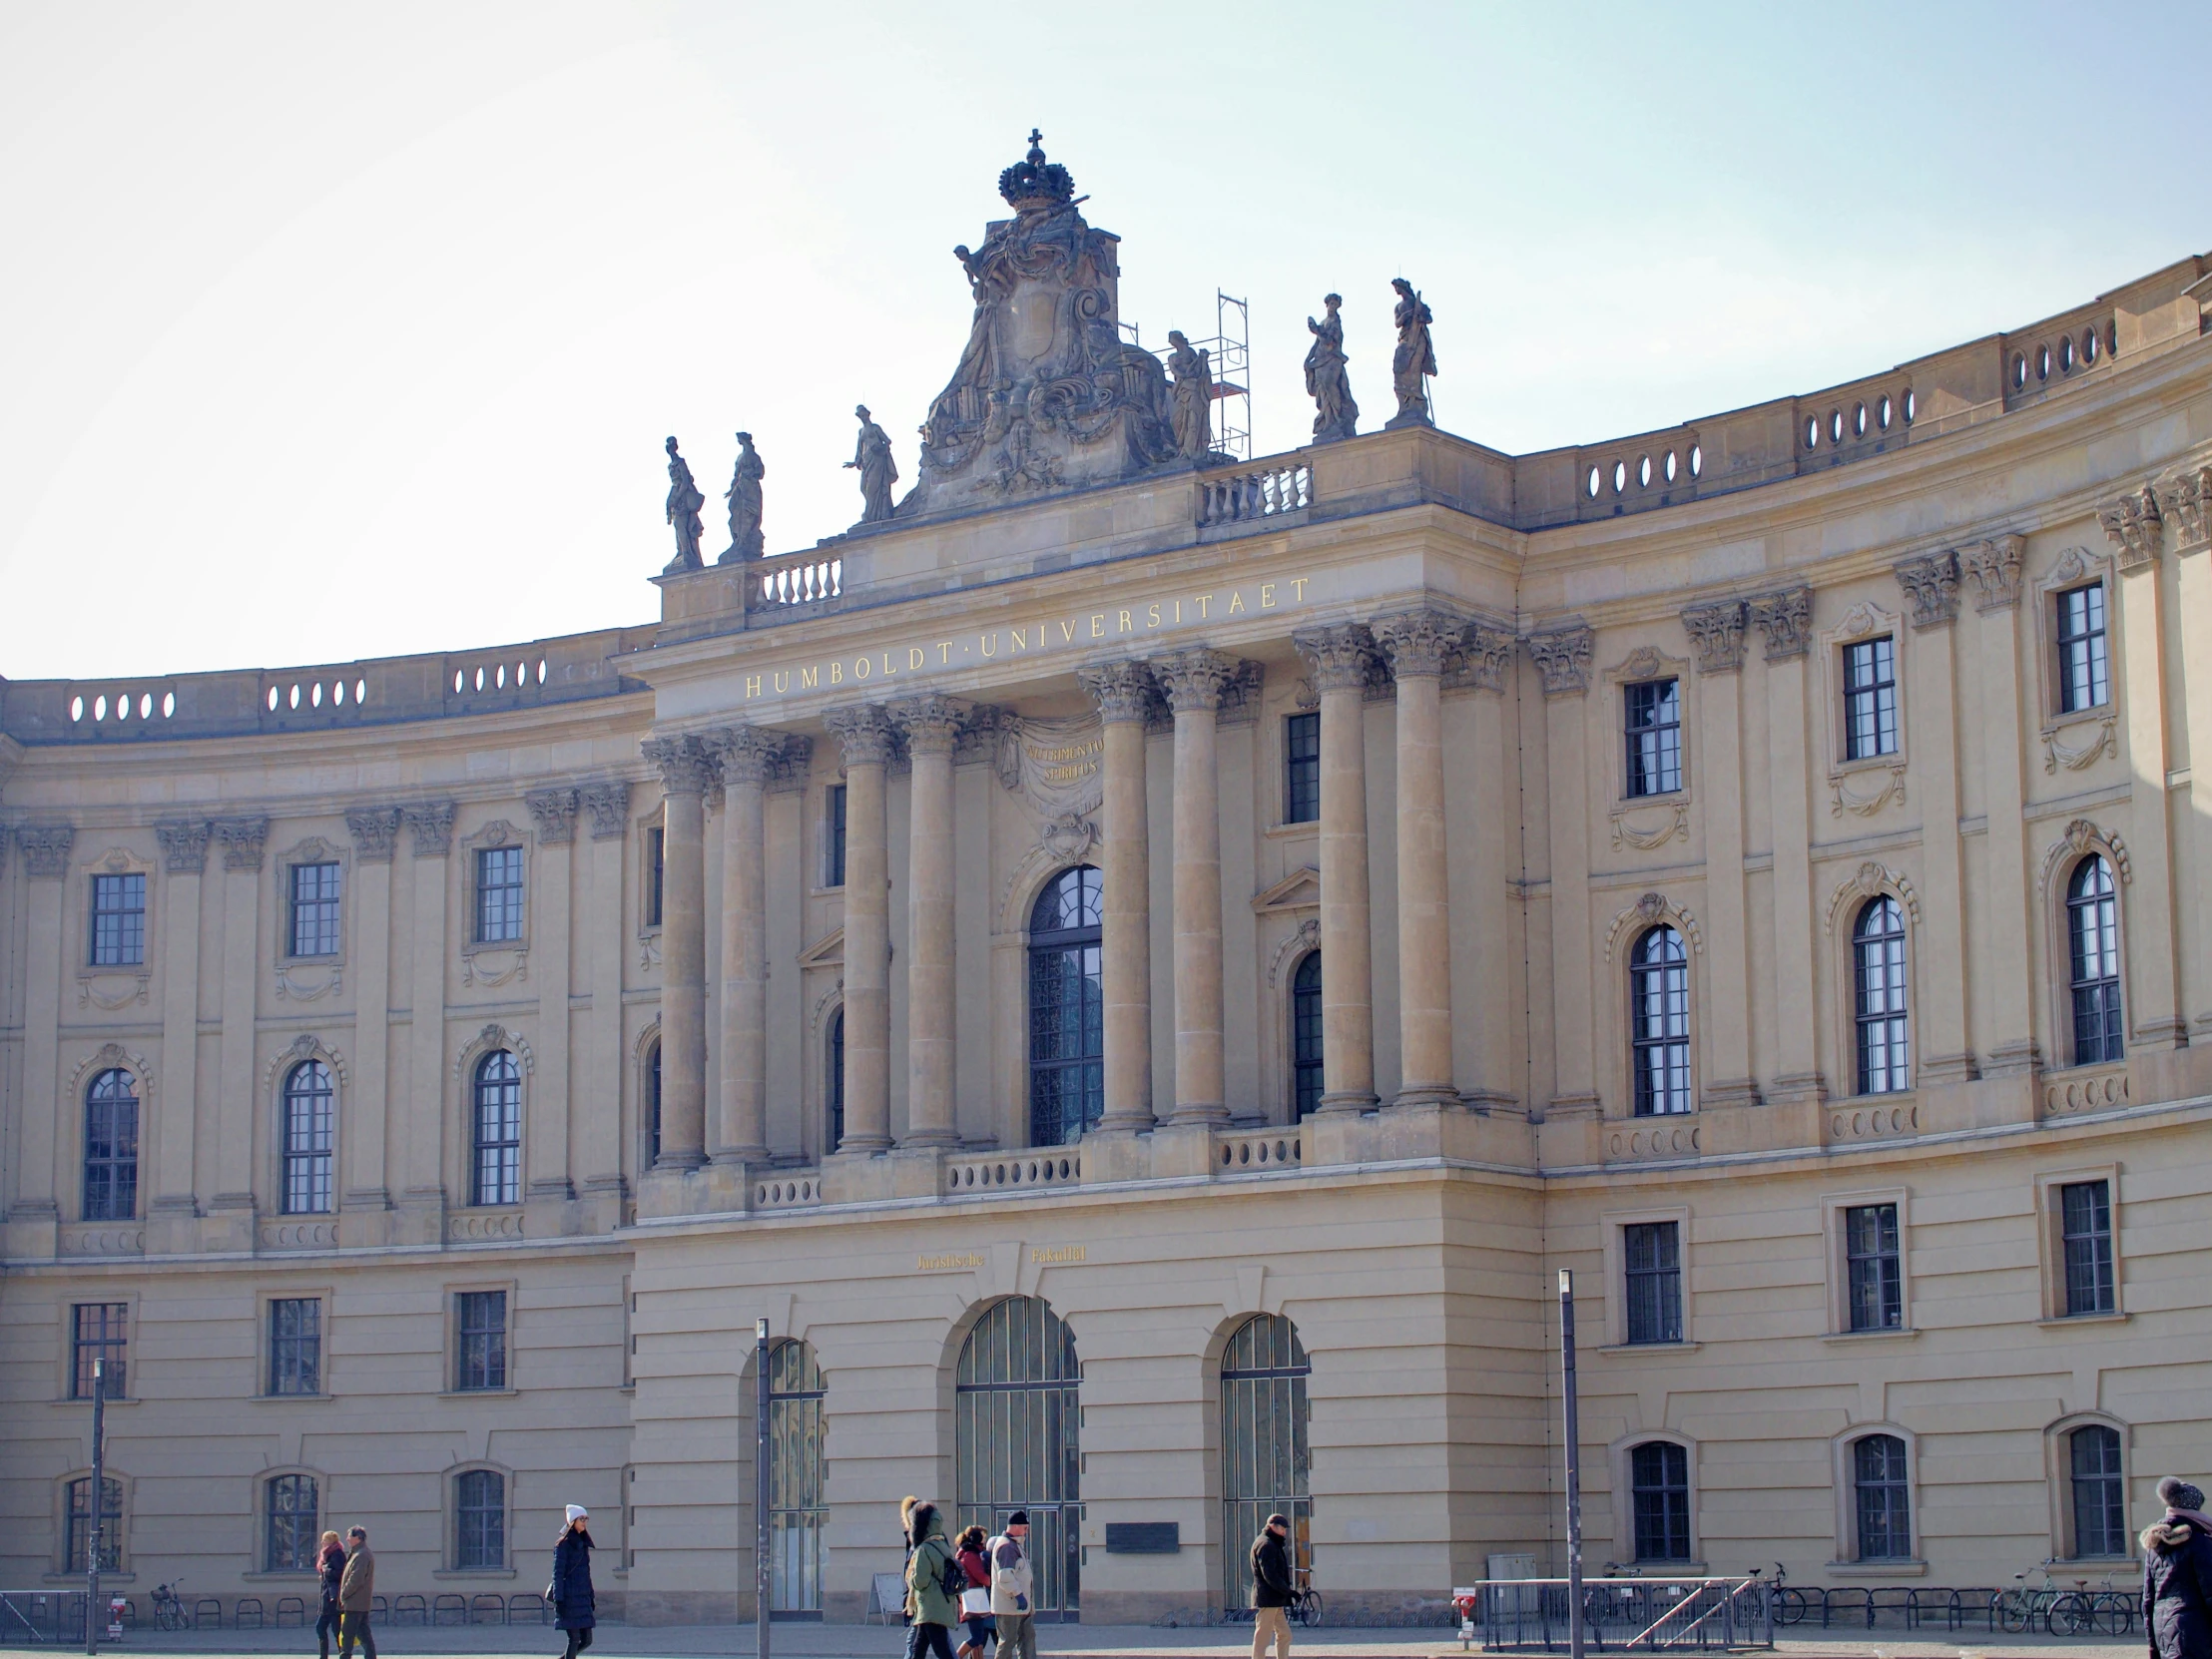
(1048, 394)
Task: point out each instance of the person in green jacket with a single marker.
(933, 1610)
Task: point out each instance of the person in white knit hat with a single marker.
(570, 1592)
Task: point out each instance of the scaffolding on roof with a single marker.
(1229, 356)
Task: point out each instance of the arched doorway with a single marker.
(1016, 1443)
(798, 1473)
(1067, 1010)
(1264, 1456)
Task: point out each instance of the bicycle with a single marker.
(1304, 1606)
(170, 1612)
(2083, 1610)
(1789, 1606)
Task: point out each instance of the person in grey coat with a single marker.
(570, 1592)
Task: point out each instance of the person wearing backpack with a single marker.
(1013, 1577)
(934, 1581)
(975, 1600)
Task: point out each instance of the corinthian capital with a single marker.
(376, 833)
(184, 845)
(684, 764)
(608, 802)
(1786, 619)
(1485, 656)
(1716, 630)
(2135, 527)
(430, 822)
(1994, 566)
(1563, 657)
(554, 813)
(1196, 679)
(1422, 643)
(1342, 658)
(1931, 583)
(865, 732)
(749, 753)
(46, 849)
(932, 721)
(2186, 500)
(1125, 691)
(242, 839)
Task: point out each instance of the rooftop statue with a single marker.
(1414, 358)
(872, 457)
(684, 502)
(1047, 391)
(1193, 398)
(1328, 376)
(743, 496)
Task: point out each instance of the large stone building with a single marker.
(1140, 967)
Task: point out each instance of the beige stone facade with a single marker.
(550, 886)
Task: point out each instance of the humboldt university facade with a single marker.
(1141, 967)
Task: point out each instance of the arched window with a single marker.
(1067, 1010)
(288, 1539)
(1878, 997)
(307, 1139)
(798, 1476)
(1264, 1458)
(653, 1106)
(1018, 1443)
(1659, 1488)
(2099, 1492)
(1659, 1022)
(496, 1131)
(80, 1524)
(1882, 1498)
(111, 1147)
(2093, 956)
(479, 1520)
(833, 1082)
(1306, 1034)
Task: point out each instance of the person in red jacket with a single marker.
(975, 1600)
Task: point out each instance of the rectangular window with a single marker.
(656, 866)
(1869, 699)
(1654, 716)
(1302, 769)
(2086, 1231)
(2099, 1495)
(111, 1524)
(832, 835)
(119, 922)
(1659, 1481)
(1652, 1254)
(97, 1332)
(1873, 1268)
(288, 1543)
(498, 894)
(295, 1346)
(481, 1319)
(1884, 1499)
(314, 909)
(481, 1520)
(2085, 677)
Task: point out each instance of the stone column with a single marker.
(2003, 960)
(34, 1208)
(599, 1149)
(1419, 645)
(243, 840)
(1716, 631)
(1194, 681)
(546, 1149)
(868, 740)
(2187, 501)
(1125, 693)
(748, 756)
(364, 1115)
(1562, 656)
(173, 1214)
(687, 769)
(1785, 619)
(2152, 1002)
(422, 1200)
(933, 727)
(1941, 1050)
(1340, 662)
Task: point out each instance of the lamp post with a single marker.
(96, 1505)
(760, 1489)
(1574, 1464)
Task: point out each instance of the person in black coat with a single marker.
(570, 1592)
(2178, 1575)
(330, 1568)
(1273, 1587)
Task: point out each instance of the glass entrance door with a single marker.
(1018, 1442)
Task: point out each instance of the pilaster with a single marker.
(547, 1191)
(1562, 657)
(231, 1212)
(1716, 631)
(172, 1215)
(2009, 1046)
(868, 740)
(1785, 621)
(1194, 681)
(595, 1118)
(34, 1214)
(364, 1117)
(1341, 660)
(1126, 694)
(421, 1218)
(2187, 500)
(1941, 1048)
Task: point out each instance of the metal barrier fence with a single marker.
(1629, 1614)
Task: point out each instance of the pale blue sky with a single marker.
(336, 332)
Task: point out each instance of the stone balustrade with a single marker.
(789, 1190)
(969, 1176)
(1269, 491)
(790, 579)
(1258, 1151)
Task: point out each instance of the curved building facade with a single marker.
(1140, 967)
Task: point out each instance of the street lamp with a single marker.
(760, 1489)
(1574, 1464)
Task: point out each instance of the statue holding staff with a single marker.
(1415, 357)
(1328, 376)
(684, 502)
(743, 496)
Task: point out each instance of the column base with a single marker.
(599, 1210)
(2012, 1059)
(1739, 1091)
(1212, 1115)
(1424, 1094)
(1350, 1100)
(1492, 1102)
(2159, 1033)
(1946, 1069)
(930, 1139)
(1567, 1108)
(421, 1217)
(700, 1189)
(1788, 1091)
(1139, 1122)
(34, 1230)
(173, 1225)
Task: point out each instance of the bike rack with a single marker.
(210, 1610)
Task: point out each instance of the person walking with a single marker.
(2178, 1575)
(1271, 1588)
(570, 1592)
(356, 1594)
(975, 1600)
(933, 1579)
(1013, 1589)
(329, 1563)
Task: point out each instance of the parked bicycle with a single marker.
(1304, 1606)
(170, 1612)
(1789, 1606)
(2082, 1611)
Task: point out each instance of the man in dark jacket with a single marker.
(356, 1594)
(2178, 1575)
(1271, 1588)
